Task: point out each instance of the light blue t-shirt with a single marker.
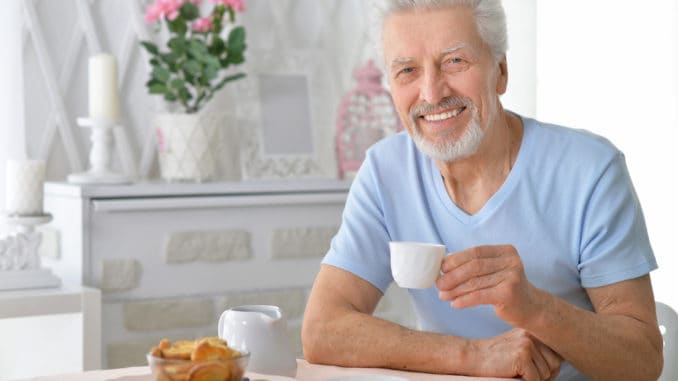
(568, 206)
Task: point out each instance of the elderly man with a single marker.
(549, 257)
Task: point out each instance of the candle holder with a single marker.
(19, 254)
(99, 155)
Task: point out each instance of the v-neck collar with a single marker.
(499, 196)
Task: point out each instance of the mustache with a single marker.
(445, 103)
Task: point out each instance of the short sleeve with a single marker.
(614, 242)
(361, 244)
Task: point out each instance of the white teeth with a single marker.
(443, 116)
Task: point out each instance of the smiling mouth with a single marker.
(443, 115)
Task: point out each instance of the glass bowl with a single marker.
(232, 369)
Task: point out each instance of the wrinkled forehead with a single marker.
(429, 31)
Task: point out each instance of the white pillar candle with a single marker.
(23, 187)
(103, 87)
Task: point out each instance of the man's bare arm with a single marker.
(338, 329)
(620, 341)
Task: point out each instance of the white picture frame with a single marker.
(280, 87)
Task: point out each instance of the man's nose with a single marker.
(433, 87)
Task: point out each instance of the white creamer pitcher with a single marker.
(261, 330)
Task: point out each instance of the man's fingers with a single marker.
(552, 359)
(541, 364)
(473, 275)
(482, 296)
(530, 372)
(474, 284)
(479, 252)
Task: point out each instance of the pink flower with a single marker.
(163, 8)
(196, 2)
(203, 24)
(237, 5)
(153, 13)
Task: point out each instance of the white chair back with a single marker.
(668, 324)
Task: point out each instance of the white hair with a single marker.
(489, 16)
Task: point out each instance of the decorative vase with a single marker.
(366, 115)
(188, 145)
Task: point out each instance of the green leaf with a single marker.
(170, 97)
(193, 67)
(184, 94)
(154, 61)
(197, 49)
(210, 72)
(190, 11)
(177, 83)
(231, 14)
(161, 74)
(218, 46)
(150, 47)
(189, 78)
(169, 58)
(178, 45)
(236, 58)
(236, 40)
(212, 62)
(154, 81)
(177, 26)
(157, 88)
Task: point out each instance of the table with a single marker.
(305, 372)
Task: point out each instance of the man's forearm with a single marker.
(359, 340)
(601, 345)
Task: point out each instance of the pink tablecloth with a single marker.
(305, 372)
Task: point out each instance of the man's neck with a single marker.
(472, 181)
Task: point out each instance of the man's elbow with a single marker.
(310, 342)
(659, 364)
(657, 357)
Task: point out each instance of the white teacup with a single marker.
(416, 264)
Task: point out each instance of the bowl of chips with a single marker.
(204, 359)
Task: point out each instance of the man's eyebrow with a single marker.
(399, 61)
(453, 49)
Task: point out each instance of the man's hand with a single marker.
(517, 354)
(489, 275)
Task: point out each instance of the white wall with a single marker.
(11, 95)
(521, 93)
(609, 66)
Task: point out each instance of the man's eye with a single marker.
(456, 60)
(407, 70)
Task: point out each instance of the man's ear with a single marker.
(502, 78)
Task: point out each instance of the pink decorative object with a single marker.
(202, 25)
(366, 115)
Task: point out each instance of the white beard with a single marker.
(465, 146)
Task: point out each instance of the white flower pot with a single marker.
(187, 146)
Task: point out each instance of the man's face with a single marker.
(444, 82)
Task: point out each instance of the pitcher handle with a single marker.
(220, 327)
